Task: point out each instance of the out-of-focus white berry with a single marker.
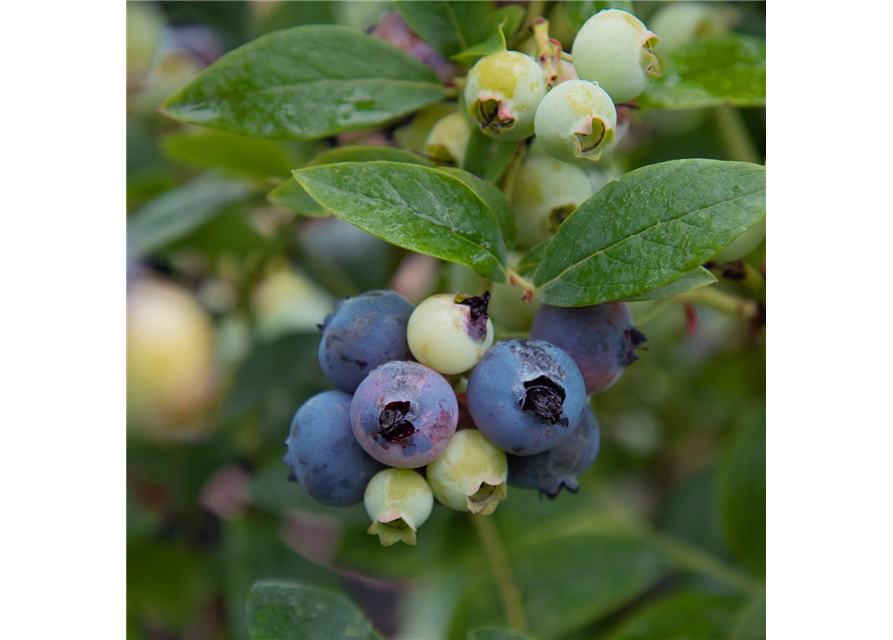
(448, 139)
(546, 192)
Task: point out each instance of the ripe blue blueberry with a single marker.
(551, 470)
(323, 454)
(526, 396)
(601, 339)
(364, 332)
(404, 414)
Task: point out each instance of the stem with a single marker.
(511, 172)
(546, 51)
(516, 279)
(567, 57)
(735, 137)
(725, 302)
(502, 572)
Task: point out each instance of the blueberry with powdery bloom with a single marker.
(364, 332)
(601, 339)
(526, 396)
(404, 414)
(551, 470)
(323, 454)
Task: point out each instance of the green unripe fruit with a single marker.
(399, 501)
(448, 139)
(546, 192)
(616, 49)
(503, 91)
(743, 244)
(576, 121)
(450, 333)
(680, 23)
(470, 475)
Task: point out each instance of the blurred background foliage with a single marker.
(666, 538)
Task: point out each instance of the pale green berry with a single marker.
(502, 92)
(680, 23)
(743, 244)
(470, 475)
(546, 192)
(399, 501)
(450, 333)
(616, 49)
(415, 134)
(576, 121)
(448, 139)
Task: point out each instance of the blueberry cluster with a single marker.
(614, 58)
(398, 436)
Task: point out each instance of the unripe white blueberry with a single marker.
(450, 333)
(546, 192)
(448, 139)
(743, 244)
(616, 49)
(576, 121)
(680, 23)
(503, 91)
(470, 475)
(398, 501)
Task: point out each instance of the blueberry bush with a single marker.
(493, 272)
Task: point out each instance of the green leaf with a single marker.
(177, 212)
(691, 513)
(487, 157)
(579, 11)
(649, 228)
(567, 581)
(700, 277)
(496, 634)
(447, 25)
(495, 199)
(292, 611)
(208, 149)
(742, 494)
(687, 615)
(709, 73)
(501, 25)
(414, 207)
(292, 196)
(307, 82)
(531, 261)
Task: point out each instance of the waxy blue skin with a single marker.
(432, 413)
(496, 394)
(601, 339)
(323, 454)
(551, 470)
(364, 332)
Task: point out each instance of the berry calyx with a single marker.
(470, 474)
